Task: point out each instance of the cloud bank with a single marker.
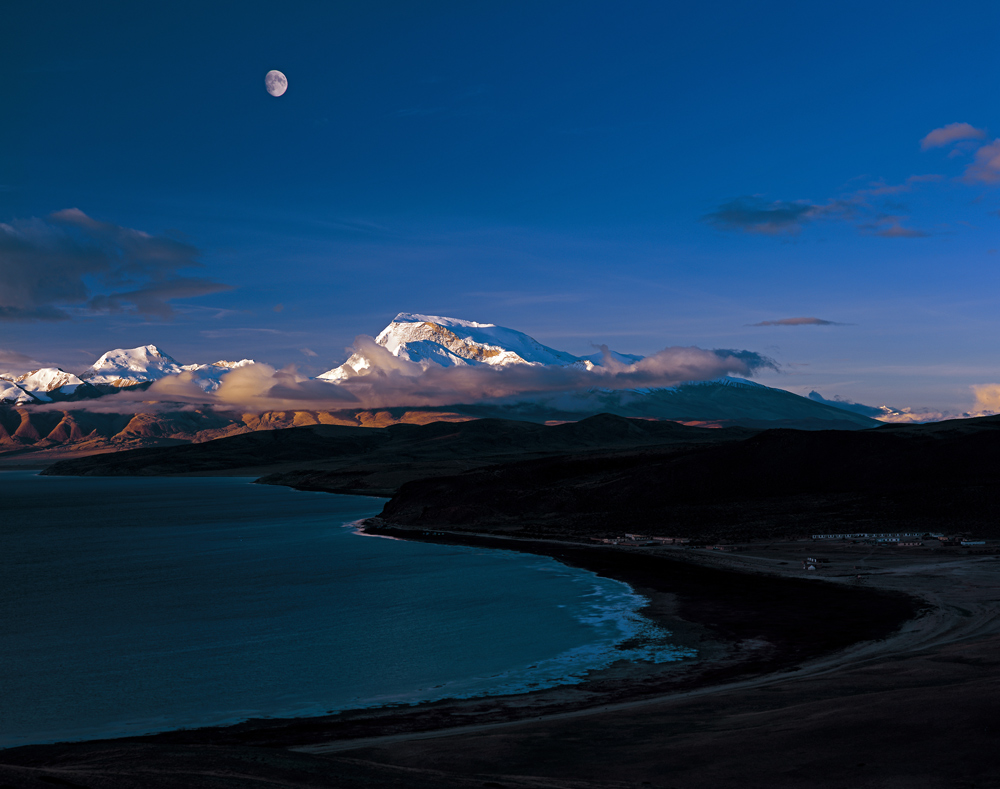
(70, 264)
(391, 381)
(987, 403)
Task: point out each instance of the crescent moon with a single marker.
(275, 82)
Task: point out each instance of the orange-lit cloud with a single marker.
(987, 397)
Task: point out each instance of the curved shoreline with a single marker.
(745, 626)
(919, 699)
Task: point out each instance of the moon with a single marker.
(275, 82)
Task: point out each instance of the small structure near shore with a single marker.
(641, 539)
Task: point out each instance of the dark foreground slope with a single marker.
(940, 477)
(340, 459)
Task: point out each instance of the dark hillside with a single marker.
(378, 460)
(943, 477)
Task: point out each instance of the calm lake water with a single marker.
(131, 605)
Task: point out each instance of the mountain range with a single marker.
(115, 370)
(423, 342)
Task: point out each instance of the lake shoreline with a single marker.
(743, 625)
(782, 672)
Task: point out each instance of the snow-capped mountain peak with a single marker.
(232, 365)
(131, 366)
(124, 367)
(209, 376)
(49, 383)
(12, 393)
(452, 342)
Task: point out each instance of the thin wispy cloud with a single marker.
(891, 227)
(952, 133)
(964, 139)
(864, 208)
(985, 166)
(14, 357)
(799, 322)
(16, 362)
(754, 215)
(515, 297)
(69, 264)
(867, 208)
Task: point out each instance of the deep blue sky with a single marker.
(641, 174)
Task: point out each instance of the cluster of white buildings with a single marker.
(882, 537)
(903, 539)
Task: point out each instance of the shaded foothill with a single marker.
(337, 458)
(46, 434)
(939, 477)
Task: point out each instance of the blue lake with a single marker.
(133, 605)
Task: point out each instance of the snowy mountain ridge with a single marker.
(43, 385)
(121, 368)
(125, 367)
